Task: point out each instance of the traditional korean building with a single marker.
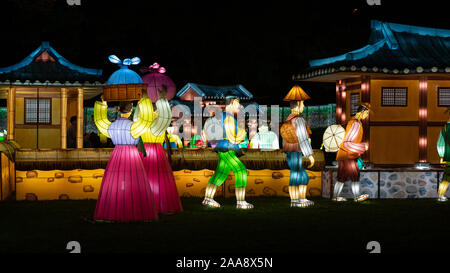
(215, 95)
(43, 92)
(404, 73)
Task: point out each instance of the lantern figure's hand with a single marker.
(311, 161)
(103, 100)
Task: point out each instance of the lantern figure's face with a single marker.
(297, 107)
(364, 114)
(234, 106)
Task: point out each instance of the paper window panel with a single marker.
(444, 96)
(355, 99)
(394, 96)
(31, 111)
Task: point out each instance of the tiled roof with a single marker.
(45, 66)
(216, 92)
(392, 49)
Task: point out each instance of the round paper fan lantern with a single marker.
(332, 137)
(155, 79)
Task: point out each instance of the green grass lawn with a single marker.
(272, 227)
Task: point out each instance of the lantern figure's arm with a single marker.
(162, 121)
(101, 118)
(230, 131)
(177, 140)
(441, 144)
(146, 116)
(254, 143)
(302, 136)
(348, 143)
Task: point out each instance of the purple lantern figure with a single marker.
(155, 79)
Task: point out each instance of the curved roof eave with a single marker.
(46, 46)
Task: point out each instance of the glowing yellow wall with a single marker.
(259, 183)
(7, 177)
(389, 113)
(50, 185)
(20, 110)
(56, 111)
(394, 144)
(48, 138)
(85, 184)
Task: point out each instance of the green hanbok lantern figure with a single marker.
(229, 151)
(443, 147)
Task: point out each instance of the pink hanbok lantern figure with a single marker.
(125, 194)
(155, 79)
(156, 163)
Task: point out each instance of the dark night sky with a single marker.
(259, 44)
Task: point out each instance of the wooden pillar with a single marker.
(365, 97)
(338, 102)
(80, 119)
(63, 118)
(423, 113)
(11, 113)
(343, 103)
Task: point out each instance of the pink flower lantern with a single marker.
(155, 79)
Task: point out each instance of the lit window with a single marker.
(394, 96)
(38, 107)
(355, 99)
(443, 96)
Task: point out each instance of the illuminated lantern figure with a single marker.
(174, 140)
(156, 163)
(295, 133)
(229, 151)
(264, 139)
(125, 193)
(443, 147)
(155, 79)
(350, 150)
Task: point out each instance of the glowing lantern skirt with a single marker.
(155, 79)
(332, 137)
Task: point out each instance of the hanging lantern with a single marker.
(124, 84)
(155, 79)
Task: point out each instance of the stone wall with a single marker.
(393, 184)
(85, 184)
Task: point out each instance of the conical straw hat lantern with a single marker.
(296, 94)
